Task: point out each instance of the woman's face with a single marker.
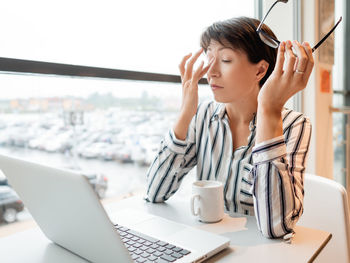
(231, 76)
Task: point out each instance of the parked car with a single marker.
(10, 204)
(3, 179)
(98, 181)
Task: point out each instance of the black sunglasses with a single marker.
(272, 42)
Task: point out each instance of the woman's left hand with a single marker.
(283, 83)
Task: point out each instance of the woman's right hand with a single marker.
(189, 103)
(189, 81)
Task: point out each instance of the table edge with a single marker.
(318, 251)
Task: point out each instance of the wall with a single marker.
(316, 104)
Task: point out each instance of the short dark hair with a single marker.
(240, 33)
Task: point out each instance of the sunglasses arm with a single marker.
(326, 36)
(262, 21)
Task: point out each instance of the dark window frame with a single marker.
(20, 66)
(33, 67)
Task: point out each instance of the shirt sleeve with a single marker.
(278, 191)
(173, 161)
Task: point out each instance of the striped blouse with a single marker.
(265, 180)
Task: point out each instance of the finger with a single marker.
(189, 68)
(295, 64)
(280, 58)
(310, 63)
(182, 65)
(196, 75)
(291, 59)
(302, 58)
(205, 69)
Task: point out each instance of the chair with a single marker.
(326, 208)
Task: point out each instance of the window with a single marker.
(340, 100)
(101, 126)
(150, 36)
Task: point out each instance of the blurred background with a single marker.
(93, 86)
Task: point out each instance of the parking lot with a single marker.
(123, 178)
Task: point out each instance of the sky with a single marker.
(150, 36)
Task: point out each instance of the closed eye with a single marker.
(226, 61)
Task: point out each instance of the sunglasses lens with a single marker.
(267, 40)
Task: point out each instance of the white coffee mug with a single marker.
(208, 198)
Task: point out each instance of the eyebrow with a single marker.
(209, 49)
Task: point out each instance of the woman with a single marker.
(245, 139)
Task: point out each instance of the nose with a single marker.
(213, 70)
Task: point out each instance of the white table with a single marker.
(247, 243)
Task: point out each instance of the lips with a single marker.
(215, 87)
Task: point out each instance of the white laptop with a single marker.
(70, 214)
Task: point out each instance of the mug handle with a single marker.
(195, 213)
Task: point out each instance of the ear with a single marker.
(262, 68)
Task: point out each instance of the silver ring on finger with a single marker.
(299, 71)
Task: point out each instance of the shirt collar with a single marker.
(220, 112)
(252, 123)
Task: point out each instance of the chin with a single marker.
(222, 99)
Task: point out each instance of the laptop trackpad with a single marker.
(158, 227)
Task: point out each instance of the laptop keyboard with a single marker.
(145, 249)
